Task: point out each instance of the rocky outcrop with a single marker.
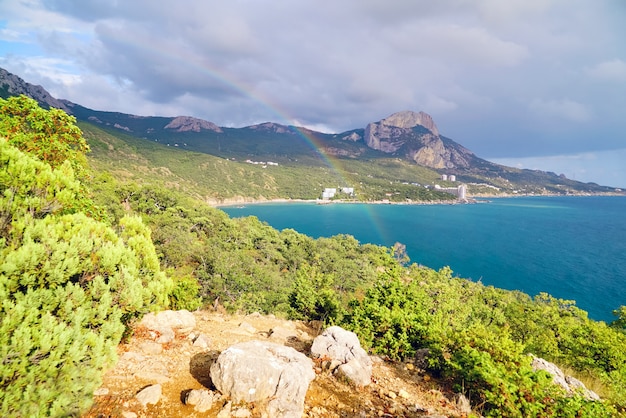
(344, 354)
(415, 136)
(264, 373)
(408, 119)
(189, 124)
(271, 127)
(15, 86)
(353, 137)
(571, 385)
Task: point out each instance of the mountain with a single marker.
(408, 136)
(12, 85)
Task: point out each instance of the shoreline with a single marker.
(477, 199)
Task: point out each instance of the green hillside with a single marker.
(214, 178)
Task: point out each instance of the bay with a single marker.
(573, 248)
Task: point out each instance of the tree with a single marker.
(68, 285)
(50, 135)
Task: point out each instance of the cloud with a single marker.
(515, 77)
(455, 43)
(602, 167)
(563, 108)
(613, 70)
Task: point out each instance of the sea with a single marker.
(572, 247)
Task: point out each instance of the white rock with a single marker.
(149, 395)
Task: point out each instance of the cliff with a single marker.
(416, 137)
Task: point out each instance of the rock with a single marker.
(408, 119)
(247, 328)
(281, 334)
(241, 413)
(577, 386)
(149, 395)
(421, 358)
(399, 133)
(188, 123)
(570, 384)
(165, 335)
(356, 372)
(128, 414)
(202, 341)
(345, 353)
(182, 322)
(225, 411)
(261, 371)
(463, 404)
(202, 399)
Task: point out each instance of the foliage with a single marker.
(209, 177)
(620, 322)
(477, 337)
(68, 284)
(50, 135)
(185, 294)
(313, 296)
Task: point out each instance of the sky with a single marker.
(537, 84)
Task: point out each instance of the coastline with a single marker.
(249, 201)
(475, 199)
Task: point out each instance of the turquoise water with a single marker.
(571, 247)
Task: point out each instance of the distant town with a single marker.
(459, 191)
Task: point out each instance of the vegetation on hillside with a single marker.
(76, 266)
(217, 179)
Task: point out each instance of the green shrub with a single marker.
(472, 334)
(67, 284)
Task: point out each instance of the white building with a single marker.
(461, 192)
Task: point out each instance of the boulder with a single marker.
(346, 356)
(265, 373)
(570, 384)
(182, 322)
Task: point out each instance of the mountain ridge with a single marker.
(406, 135)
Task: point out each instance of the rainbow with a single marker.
(142, 43)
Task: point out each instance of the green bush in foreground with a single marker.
(472, 334)
(67, 285)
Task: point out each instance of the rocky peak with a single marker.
(187, 124)
(408, 119)
(15, 86)
(271, 127)
(398, 134)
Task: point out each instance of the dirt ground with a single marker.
(397, 389)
